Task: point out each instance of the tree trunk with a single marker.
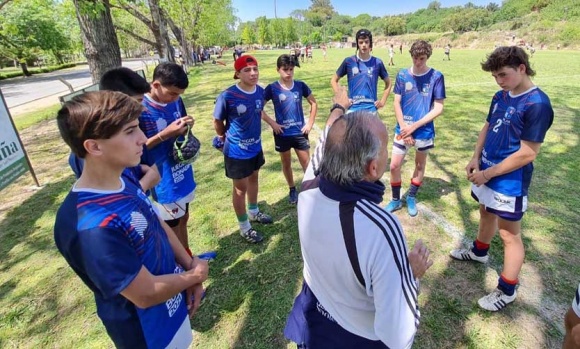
(24, 68)
(159, 29)
(98, 34)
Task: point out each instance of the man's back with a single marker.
(379, 299)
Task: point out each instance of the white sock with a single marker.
(245, 226)
(254, 211)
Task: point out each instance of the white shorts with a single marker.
(183, 337)
(173, 210)
(576, 302)
(511, 208)
(422, 145)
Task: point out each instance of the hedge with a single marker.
(36, 70)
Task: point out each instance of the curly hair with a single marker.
(421, 47)
(507, 56)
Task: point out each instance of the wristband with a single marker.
(337, 106)
(483, 174)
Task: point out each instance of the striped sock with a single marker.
(396, 190)
(506, 285)
(480, 249)
(414, 188)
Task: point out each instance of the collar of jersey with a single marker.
(363, 190)
(152, 101)
(99, 191)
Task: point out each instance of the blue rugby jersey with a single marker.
(418, 94)
(525, 117)
(363, 77)
(177, 180)
(288, 105)
(106, 237)
(242, 112)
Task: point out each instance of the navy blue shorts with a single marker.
(242, 168)
(310, 326)
(285, 143)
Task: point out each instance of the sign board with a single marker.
(13, 159)
(94, 87)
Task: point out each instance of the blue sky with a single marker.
(248, 10)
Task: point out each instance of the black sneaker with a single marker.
(260, 217)
(252, 236)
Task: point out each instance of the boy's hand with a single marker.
(178, 127)
(277, 128)
(407, 130)
(306, 129)
(194, 296)
(472, 166)
(419, 259)
(379, 104)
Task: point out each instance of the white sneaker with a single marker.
(497, 300)
(466, 254)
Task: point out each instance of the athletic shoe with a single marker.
(293, 197)
(497, 300)
(260, 217)
(394, 205)
(411, 206)
(252, 236)
(464, 254)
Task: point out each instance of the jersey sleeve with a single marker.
(383, 73)
(306, 91)
(341, 71)
(491, 106)
(399, 84)
(268, 93)
(109, 259)
(537, 120)
(439, 88)
(220, 109)
(395, 294)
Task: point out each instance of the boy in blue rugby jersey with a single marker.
(502, 164)
(237, 121)
(125, 80)
(109, 234)
(419, 97)
(287, 94)
(363, 72)
(163, 120)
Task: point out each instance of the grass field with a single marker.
(252, 287)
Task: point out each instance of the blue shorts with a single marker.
(311, 327)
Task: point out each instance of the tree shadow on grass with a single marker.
(20, 228)
(264, 285)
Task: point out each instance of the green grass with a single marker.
(251, 288)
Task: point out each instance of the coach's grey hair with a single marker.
(346, 155)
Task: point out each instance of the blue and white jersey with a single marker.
(363, 77)
(177, 180)
(107, 237)
(288, 105)
(418, 94)
(512, 119)
(242, 112)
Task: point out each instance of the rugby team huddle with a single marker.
(123, 226)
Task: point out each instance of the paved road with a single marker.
(19, 91)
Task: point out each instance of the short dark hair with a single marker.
(507, 56)
(171, 74)
(287, 61)
(421, 47)
(95, 115)
(124, 80)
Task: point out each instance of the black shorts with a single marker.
(242, 168)
(285, 143)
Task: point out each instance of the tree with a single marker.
(29, 29)
(322, 7)
(248, 35)
(100, 43)
(492, 7)
(434, 5)
(263, 30)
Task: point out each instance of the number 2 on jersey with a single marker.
(497, 125)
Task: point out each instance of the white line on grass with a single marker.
(551, 311)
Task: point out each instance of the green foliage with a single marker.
(570, 33)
